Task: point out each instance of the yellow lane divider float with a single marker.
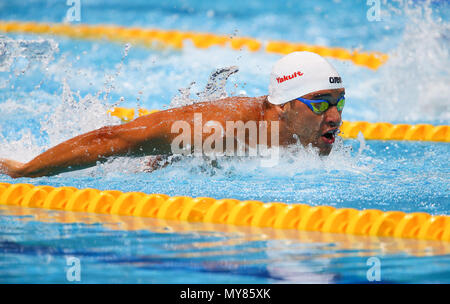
(371, 131)
(302, 217)
(342, 243)
(175, 39)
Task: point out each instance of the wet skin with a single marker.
(311, 127)
(152, 134)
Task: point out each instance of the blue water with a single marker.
(53, 88)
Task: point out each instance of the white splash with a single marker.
(215, 88)
(76, 115)
(413, 84)
(33, 51)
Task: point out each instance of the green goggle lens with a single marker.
(340, 105)
(322, 106)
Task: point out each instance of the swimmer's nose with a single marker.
(332, 117)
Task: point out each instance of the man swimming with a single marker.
(306, 99)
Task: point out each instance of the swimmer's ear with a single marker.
(285, 107)
(280, 109)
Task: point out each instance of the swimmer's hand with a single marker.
(11, 167)
(155, 162)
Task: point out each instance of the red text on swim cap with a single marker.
(288, 77)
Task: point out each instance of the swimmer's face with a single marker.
(312, 128)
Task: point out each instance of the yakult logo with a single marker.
(288, 77)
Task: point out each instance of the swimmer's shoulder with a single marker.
(243, 108)
(235, 102)
(238, 108)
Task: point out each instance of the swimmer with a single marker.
(306, 98)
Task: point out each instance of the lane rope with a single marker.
(240, 234)
(349, 129)
(371, 222)
(158, 38)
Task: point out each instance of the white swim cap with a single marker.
(301, 73)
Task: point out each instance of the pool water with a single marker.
(54, 88)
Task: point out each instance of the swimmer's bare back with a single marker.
(146, 135)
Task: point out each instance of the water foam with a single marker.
(39, 51)
(73, 114)
(412, 85)
(293, 161)
(215, 88)
(76, 115)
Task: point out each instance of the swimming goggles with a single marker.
(319, 106)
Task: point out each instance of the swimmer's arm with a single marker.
(143, 136)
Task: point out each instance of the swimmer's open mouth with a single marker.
(329, 136)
